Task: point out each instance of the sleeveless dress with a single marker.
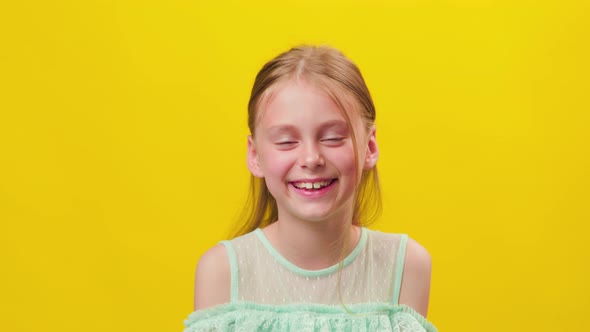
(269, 293)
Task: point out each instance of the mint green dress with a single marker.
(269, 293)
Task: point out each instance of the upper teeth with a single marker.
(310, 185)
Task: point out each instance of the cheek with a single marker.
(344, 160)
(276, 163)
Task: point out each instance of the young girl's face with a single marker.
(303, 148)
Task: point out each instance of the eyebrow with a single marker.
(325, 125)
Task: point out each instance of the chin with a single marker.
(315, 216)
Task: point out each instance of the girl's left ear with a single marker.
(372, 150)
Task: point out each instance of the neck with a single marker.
(313, 245)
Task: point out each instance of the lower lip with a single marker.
(315, 193)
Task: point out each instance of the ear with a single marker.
(372, 149)
(253, 159)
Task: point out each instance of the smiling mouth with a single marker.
(311, 186)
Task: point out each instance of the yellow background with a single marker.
(123, 136)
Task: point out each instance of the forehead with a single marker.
(296, 101)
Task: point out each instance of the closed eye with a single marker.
(286, 145)
(333, 141)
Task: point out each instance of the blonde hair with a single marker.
(340, 78)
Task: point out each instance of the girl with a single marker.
(303, 260)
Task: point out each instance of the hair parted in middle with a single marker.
(337, 76)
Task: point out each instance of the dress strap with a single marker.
(233, 266)
(399, 268)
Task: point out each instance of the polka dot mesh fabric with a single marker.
(264, 276)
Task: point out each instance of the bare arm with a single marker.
(415, 288)
(213, 279)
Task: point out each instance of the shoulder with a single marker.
(415, 287)
(213, 278)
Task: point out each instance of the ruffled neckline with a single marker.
(251, 314)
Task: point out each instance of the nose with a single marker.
(311, 156)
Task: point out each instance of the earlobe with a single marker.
(372, 150)
(253, 161)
